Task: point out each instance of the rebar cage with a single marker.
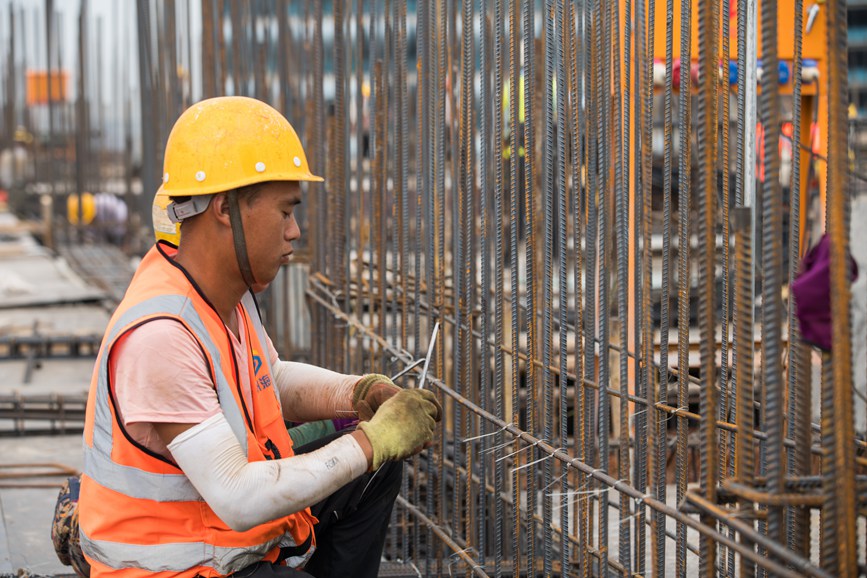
(559, 248)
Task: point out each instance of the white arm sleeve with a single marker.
(245, 494)
(309, 393)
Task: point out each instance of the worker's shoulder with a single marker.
(163, 334)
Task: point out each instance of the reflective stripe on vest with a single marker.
(137, 483)
(176, 556)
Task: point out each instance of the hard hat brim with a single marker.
(204, 189)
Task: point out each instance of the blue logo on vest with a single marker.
(264, 381)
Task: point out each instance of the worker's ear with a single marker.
(220, 209)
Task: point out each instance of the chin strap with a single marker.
(238, 238)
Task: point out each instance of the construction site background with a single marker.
(608, 256)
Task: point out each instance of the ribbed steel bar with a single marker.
(427, 39)
(595, 100)
(772, 254)
(608, 128)
(499, 280)
(417, 206)
(636, 286)
(578, 148)
(665, 299)
(726, 397)
(439, 225)
(529, 226)
(548, 194)
(563, 58)
(361, 126)
(465, 276)
(646, 425)
(707, 194)
(620, 144)
(402, 193)
(317, 133)
(485, 386)
(744, 449)
(377, 306)
(514, 188)
(341, 229)
(799, 366)
(837, 408)
(391, 202)
(684, 175)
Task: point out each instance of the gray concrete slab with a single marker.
(64, 376)
(27, 512)
(48, 321)
(30, 275)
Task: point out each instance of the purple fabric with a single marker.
(812, 292)
(343, 423)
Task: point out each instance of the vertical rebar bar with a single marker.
(837, 416)
(707, 194)
(665, 299)
(499, 299)
(514, 188)
(528, 38)
(799, 378)
(648, 383)
(684, 176)
(548, 193)
(563, 59)
(772, 254)
(622, 135)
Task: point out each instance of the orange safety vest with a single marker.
(139, 514)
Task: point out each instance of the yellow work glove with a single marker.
(402, 426)
(370, 392)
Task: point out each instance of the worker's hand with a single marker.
(402, 426)
(370, 393)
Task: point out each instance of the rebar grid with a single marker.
(491, 166)
(537, 363)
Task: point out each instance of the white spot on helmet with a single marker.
(297, 161)
(200, 176)
(165, 177)
(260, 167)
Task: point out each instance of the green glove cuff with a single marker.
(307, 432)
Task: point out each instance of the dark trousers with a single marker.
(352, 526)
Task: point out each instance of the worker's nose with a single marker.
(293, 231)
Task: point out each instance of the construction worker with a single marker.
(189, 469)
(167, 230)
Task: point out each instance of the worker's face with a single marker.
(270, 228)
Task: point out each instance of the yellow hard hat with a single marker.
(88, 208)
(164, 228)
(228, 142)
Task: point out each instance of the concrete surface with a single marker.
(26, 512)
